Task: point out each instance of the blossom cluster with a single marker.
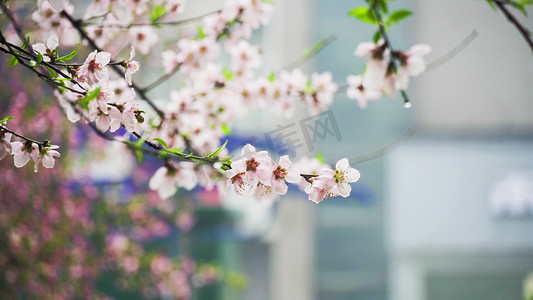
(214, 92)
(22, 151)
(257, 175)
(382, 75)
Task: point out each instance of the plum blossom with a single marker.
(357, 91)
(332, 183)
(377, 64)
(308, 166)
(255, 165)
(175, 7)
(47, 51)
(94, 68)
(5, 143)
(131, 66)
(283, 172)
(51, 22)
(46, 156)
(237, 183)
(244, 56)
(22, 152)
(168, 178)
(323, 91)
(412, 63)
(143, 38)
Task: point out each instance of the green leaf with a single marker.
(521, 5)
(91, 95)
(217, 152)
(39, 58)
(227, 73)
(176, 151)
(4, 120)
(318, 46)
(201, 33)
(13, 62)
(26, 43)
(162, 155)
(308, 88)
(68, 56)
(398, 15)
(157, 12)
(364, 14)
(382, 4)
(224, 167)
(52, 72)
(139, 156)
(376, 37)
(320, 158)
(226, 129)
(491, 3)
(161, 142)
(63, 79)
(272, 77)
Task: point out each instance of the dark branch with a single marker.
(115, 67)
(526, 34)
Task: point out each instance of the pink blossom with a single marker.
(281, 173)
(131, 66)
(167, 179)
(237, 183)
(264, 193)
(377, 64)
(256, 165)
(175, 7)
(47, 51)
(357, 91)
(22, 151)
(412, 63)
(46, 156)
(5, 143)
(94, 68)
(143, 38)
(343, 176)
(244, 56)
(308, 166)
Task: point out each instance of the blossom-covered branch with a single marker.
(387, 69)
(40, 152)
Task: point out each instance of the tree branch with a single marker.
(526, 34)
(116, 68)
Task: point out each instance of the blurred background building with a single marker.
(448, 213)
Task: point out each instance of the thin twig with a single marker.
(393, 54)
(383, 150)
(167, 23)
(452, 53)
(116, 68)
(47, 64)
(526, 34)
(18, 29)
(5, 129)
(161, 79)
(313, 52)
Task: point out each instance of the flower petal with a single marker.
(342, 164)
(352, 175)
